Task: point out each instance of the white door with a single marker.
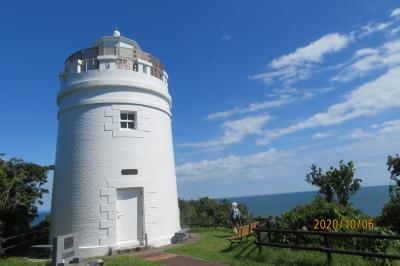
(129, 214)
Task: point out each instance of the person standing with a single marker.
(235, 217)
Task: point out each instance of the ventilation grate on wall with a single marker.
(129, 171)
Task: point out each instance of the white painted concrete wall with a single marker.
(92, 150)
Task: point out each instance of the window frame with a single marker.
(127, 120)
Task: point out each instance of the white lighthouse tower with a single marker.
(114, 182)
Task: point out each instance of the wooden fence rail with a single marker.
(327, 237)
(22, 239)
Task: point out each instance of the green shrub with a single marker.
(208, 212)
(304, 217)
(391, 215)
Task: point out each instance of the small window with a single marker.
(128, 120)
(144, 69)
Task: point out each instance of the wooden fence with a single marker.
(328, 237)
(23, 239)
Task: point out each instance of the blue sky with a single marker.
(261, 89)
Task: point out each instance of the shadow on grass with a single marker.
(246, 251)
(246, 248)
(231, 248)
(223, 235)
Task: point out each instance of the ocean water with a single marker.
(369, 199)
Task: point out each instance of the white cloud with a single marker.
(388, 127)
(321, 135)
(370, 98)
(314, 52)
(366, 51)
(283, 97)
(232, 167)
(357, 133)
(298, 64)
(253, 107)
(367, 60)
(373, 27)
(234, 132)
(395, 31)
(395, 13)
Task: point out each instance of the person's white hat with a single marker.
(234, 204)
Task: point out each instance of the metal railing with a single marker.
(89, 64)
(328, 237)
(127, 59)
(124, 64)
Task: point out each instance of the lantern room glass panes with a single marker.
(128, 120)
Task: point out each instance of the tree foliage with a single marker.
(21, 189)
(393, 164)
(391, 215)
(336, 185)
(391, 211)
(205, 210)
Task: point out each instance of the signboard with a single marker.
(65, 250)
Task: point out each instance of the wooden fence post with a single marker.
(258, 237)
(328, 253)
(268, 233)
(1, 246)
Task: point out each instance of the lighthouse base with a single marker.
(95, 251)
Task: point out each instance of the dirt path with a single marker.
(177, 260)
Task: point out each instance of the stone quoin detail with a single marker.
(114, 179)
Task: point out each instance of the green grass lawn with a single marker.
(20, 262)
(109, 261)
(215, 247)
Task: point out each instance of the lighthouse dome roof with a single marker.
(116, 33)
(116, 39)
